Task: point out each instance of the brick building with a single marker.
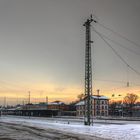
(99, 106)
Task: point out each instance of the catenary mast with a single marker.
(88, 71)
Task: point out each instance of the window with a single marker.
(102, 107)
(97, 107)
(98, 113)
(91, 107)
(106, 113)
(102, 113)
(97, 102)
(106, 102)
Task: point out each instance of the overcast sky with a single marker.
(42, 44)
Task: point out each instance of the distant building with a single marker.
(116, 109)
(136, 111)
(122, 109)
(99, 106)
(58, 105)
(55, 108)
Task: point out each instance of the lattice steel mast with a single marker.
(88, 72)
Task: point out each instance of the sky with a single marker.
(42, 48)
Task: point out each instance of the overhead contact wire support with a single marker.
(88, 72)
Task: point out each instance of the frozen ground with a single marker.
(12, 131)
(40, 128)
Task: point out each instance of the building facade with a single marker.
(99, 106)
(56, 108)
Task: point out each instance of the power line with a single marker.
(114, 81)
(121, 58)
(119, 44)
(114, 89)
(120, 35)
(105, 80)
(10, 84)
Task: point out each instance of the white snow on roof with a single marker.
(80, 103)
(100, 97)
(55, 103)
(94, 97)
(12, 109)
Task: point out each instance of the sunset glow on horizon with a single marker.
(67, 94)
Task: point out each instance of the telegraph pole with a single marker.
(29, 112)
(88, 71)
(4, 102)
(98, 94)
(46, 102)
(29, 97)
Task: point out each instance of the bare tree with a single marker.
(81, 96)
(130, 99)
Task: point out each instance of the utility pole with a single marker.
(88, 71)
(46, 99)
(23, 102)
(4, 102)
(98, 94)
(46, 102)
(29, 97)
(29, 112)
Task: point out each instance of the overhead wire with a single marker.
(118, 34)
(114, 81)
(105, 80)
(117, 54)
(119, 44)
(118, 88)
(128, 83)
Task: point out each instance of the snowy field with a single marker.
(119, 131)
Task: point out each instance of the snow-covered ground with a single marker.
(120, 131)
